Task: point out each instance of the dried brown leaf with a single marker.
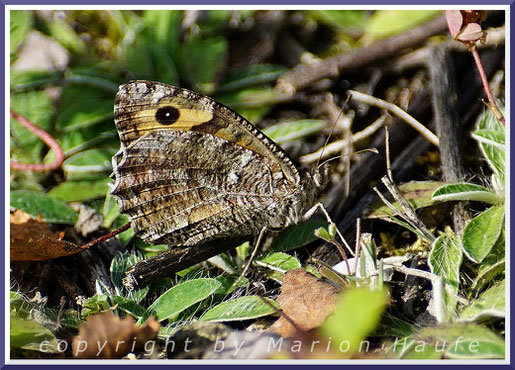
(32, 240)
(305, 300)
(106, 336)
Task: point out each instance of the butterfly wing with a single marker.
(190, 170)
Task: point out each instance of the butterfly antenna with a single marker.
(340, 113)
(373, 150)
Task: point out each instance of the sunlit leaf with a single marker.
(482, 232)
(244, 308)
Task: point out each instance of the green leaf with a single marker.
(80, 191)
(148, 249)
(332, 229)
(459, 341)
(138, 59)
(407, 226)
(445, 261)
(84, 113)
(489, 126)
(384, 23)
(417, 193)
(164, 27)
(482, 232)
(296, 236)
(421, 351)
(278, 261)
(204, 59)
(18, 305)
(129, 306)
(330, 274)
(27, 334)
(490, 137)
(127, 235)
(95, 304)
(37, 107)
(36, 203)
(26, 80)
(466, 192)
(90, 79)
(76, 141)
(289, 131)
(243, 250)
(88, 164)
(110, 211)
(258, 97)
(243, 77)
(357, 313)
(342, 19)
(478, 342)
(228, 286)
(492, 266)
(20, 22)
(490, 303)
(252, 103)
(244, 308)
(323, 234)
(121, 263)
(281, 260)
(162, 64)
(182, 296)
(488, 121)
(391, 326)
(66, 36)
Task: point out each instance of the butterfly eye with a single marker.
(167, 115)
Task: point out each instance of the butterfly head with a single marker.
(315, 180)
(321, 175)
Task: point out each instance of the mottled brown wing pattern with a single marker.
(190, 170)
(138, 103)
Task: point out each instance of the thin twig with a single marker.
(387, 153)
(338, 146)
(408, 213)
(424, 131)
(358, 245)
(47, 139)
(303, 76)
(423, 274)
(321, 207)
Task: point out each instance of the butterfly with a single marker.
(190, 171)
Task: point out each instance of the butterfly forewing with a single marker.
(190, 170)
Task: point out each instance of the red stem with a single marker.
(486, 87)
(47, 139)
(106, 236)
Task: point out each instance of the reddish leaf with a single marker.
(454, 22)
(465, 25)
(471, 32)
(32, 240)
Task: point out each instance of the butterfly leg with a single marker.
(252, 255)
